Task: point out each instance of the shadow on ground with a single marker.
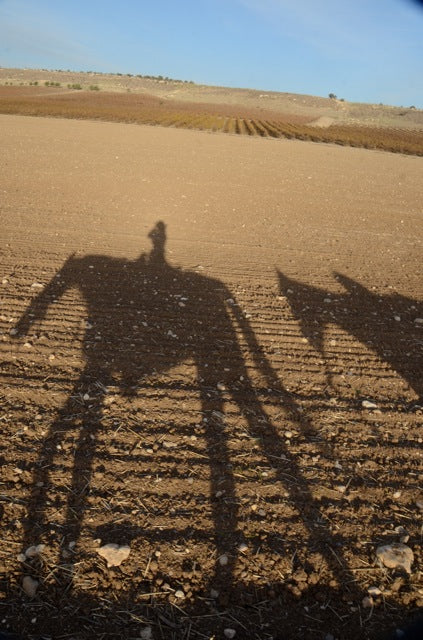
(143, 318)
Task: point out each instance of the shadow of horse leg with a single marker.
(291, 477)
(51, 491)
(36, 524)
(222, 486)
(94, 387)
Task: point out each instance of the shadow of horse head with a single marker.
(389, 325)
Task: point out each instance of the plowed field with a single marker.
(228, 118)
(211, 351)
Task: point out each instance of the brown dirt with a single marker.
(199, 319)
(144, 108)
(114, 105)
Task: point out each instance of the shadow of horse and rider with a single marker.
(145, 316)
(390, 326)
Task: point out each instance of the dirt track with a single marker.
(191, 387)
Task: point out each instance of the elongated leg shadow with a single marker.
(222, 484)
(82, 414)
(288, 472)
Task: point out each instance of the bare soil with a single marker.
(189, 327)
(134, 103)
(148, 106)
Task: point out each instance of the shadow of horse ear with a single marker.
(353, 287)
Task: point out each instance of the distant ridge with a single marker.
(164, 101)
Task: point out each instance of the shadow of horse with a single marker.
(145, 316)
(384, 324)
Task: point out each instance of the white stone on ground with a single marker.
(114, 553)
(368, 405)
(34, 551)
(30, 586)
(395, 556)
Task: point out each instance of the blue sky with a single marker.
(361, 50)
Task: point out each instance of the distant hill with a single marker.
(168, 102)
(312, 107)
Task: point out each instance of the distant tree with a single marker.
(332, 96)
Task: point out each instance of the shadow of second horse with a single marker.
(388, 325)
(144, 317)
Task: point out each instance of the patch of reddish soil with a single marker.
(125, 105)
(238, 119)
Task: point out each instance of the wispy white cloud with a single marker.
(34, 34)
(304, 20)
(342, 27)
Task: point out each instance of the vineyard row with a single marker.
(394, 140)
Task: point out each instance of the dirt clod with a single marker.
(395, 556)
(114, 554)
